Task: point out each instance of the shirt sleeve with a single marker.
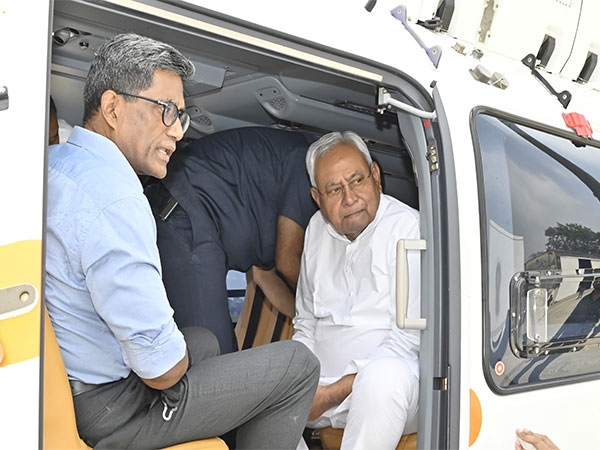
(122, 271)
(304, 321)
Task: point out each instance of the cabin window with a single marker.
(236, 291)
(540, 219)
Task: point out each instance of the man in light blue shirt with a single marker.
(101, 268)
(137, 380)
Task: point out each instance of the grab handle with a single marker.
(402, 320)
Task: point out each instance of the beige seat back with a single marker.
(60, 428)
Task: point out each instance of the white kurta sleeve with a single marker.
(305, 321)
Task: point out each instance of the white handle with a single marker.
(402, 321)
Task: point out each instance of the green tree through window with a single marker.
(573, 237)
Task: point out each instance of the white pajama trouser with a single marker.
(382, 407)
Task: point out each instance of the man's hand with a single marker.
(331, 395)
(539, 441)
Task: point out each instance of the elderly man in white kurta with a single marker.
(345, 301)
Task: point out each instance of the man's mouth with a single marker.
(353, 214)
(166, 152)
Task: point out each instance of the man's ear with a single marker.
(376, 174)
(315, 195)
(109, 107)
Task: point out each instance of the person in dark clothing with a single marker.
(234, 200)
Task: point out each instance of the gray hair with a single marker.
(327, 142)
(127, 63)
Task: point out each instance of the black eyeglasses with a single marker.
(170, 111)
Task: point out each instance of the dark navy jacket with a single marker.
(234, 184)
(231, 187)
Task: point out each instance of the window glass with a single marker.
(541, 256)
(236, 291)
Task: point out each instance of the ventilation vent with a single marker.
(204, 121)
(278, 104)
(64, 35)
(201, 121)
(272, 100)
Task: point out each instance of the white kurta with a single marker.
(346, 298)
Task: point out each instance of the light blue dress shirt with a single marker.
(103, 288)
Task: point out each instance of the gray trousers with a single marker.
(265, 393)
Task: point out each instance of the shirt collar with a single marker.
(103, 148)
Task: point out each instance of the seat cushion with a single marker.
(60, 427)
(204, 444)
(331, 439)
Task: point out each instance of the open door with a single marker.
(23, 137)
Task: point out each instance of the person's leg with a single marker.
(201, 343)
(101, 412)
(384, 406)
(111, 415)
(194, 275)
(265, 392)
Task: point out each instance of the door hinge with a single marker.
(440, 383)
(432, 157)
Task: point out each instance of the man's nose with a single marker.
(176, 130)
(349, 196)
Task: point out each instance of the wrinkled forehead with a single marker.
(342, 155)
